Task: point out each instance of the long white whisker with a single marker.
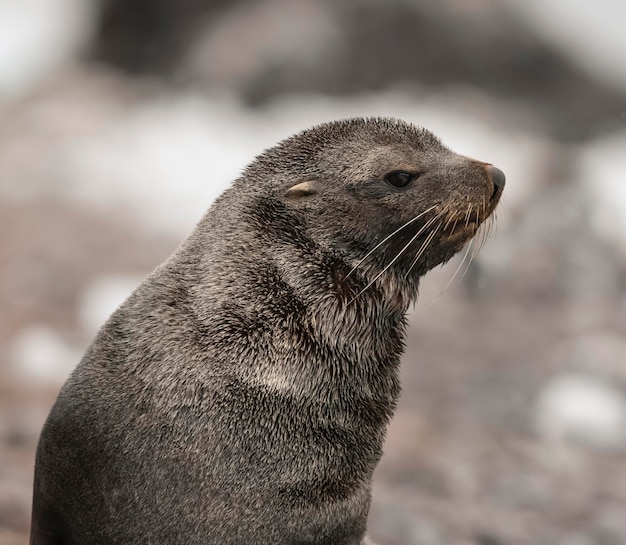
(429, 239)
(469, 264)
(422, 249)
(423, 228)
(465, 255)
(479, 238)
(450, 219)
(454, 226)
(388, 237)
(468, 215)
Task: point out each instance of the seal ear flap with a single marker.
(303, 189)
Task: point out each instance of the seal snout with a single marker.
(498, 179)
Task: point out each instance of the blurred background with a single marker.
(121, 120)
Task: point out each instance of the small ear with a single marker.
(303, 189)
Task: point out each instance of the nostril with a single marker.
(497, 177)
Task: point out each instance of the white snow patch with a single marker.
(582, 408)
(101, 298)
(39, 352)
(36, 36)
(603, 168)
(167, 162)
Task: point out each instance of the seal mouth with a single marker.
(471, 218)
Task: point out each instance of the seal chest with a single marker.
(241, 394)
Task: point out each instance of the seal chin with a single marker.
(461, 235)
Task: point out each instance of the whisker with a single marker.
(465, 256)
(469, 264)
(480, 240)
(444, 210)
(492, 224)
(486, 232)
(423, 228)
(422, 249)
(473, 248)
(483, 210)
(387, 238)
(454, 226)
(450, 217)
(468, 215)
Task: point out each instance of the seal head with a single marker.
(380, 195)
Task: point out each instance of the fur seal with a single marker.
(241, 394)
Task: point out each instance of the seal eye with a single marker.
(400, 179)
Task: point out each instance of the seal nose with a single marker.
(497, 177)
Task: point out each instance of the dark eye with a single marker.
(400, 179)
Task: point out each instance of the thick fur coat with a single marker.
(241, 394)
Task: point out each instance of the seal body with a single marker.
(241, 394)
